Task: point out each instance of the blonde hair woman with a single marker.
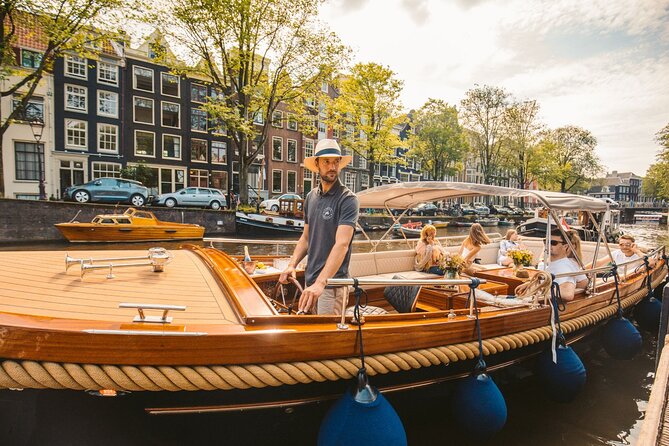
(428, 251)
(510, 242)
(471, 246)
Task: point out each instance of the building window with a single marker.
(292, 151)
(145, 143)
(364, 179)
(107, 138)
(217, 94)
(198, 93)
(218, 152)
(27, 157)
(292, 122)
(277, 179)
(277, 148)
(292, 181)
(172, 146)
(143, 110)
(171, 179)
(75, 98)
(142, 79)
(258, 118)
(198, 178)
(198, 150)
(363, 163)
(308, 148)
(106, 170)
(322, 127)
(310, 102)
(170, 114)
(350, 180)
(169, 85)
(277, 118)
(217, 126)
(31, 59)
(219, 179)
(75, 66)
(75, 134)
(324, 87)
(107, 73)
(198, 120)
(34, 109)
(107, 103)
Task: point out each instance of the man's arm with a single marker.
(342, 240)
(298, 255)
(567, 290)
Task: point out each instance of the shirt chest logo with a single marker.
(328, 213)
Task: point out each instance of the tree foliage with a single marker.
(260, 53)
(439, 140)
(59, 26)
(521, 135)
(566, 159)
(483, 112)
(368, 113)
(656, 182)
(142, 173)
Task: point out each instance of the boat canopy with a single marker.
(405, 195)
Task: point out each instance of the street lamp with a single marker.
(35, 118)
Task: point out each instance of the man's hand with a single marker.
(290, 270)
(310, 296)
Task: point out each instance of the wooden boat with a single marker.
(229, 334)
(269, 222)
(648, 217)
(408, 230)
(488, 221)
(131, 226)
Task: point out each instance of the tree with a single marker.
(261, 53)
(439, 139)
(566, 159)
(483, 112)
(60, 26)
(521, 132)
(368, 113)
(656, 182)
(142, 173)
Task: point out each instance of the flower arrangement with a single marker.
(520, 257)
(454, 262)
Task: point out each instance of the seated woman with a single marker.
(428, 251)
(563, 261)
(471, 246)
(510, 242)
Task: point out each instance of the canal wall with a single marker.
(31, 221)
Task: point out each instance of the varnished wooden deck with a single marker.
(49, 291)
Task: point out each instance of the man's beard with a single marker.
(325, 179)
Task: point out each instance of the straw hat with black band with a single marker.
(326, 148)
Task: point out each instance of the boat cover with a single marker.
(405, 195)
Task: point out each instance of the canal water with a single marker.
(608, 412)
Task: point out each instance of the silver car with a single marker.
(193, 196)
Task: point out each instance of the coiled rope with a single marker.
(51, 375)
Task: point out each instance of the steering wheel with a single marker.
(281, 304)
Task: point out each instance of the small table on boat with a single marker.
(505, 275)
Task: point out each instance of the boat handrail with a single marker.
(403, 282)
(607, 268)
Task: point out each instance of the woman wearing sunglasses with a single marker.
(563, 261)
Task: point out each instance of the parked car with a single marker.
(500, 210)
(481, 209)
(515, 210)
(423, 209)
(273, 203)
(193, 196)
(467, 209)
(110, 190)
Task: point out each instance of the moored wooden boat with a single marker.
(76, 328)
(131, 226)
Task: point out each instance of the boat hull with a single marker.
(89, 232)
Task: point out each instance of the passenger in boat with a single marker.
(428, 251)
(511, 241)
(471, 246)
(628, 252)
(330, 217)
(563, 261)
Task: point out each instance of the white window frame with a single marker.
(85, 95)
(324, 86)
(206, 151)
(106, 172)
(74, 60)
(114, 95)
(109, 67)
(153, 111)
(199, 174)
(162, 152)
(258, 118)
(83, 147)
(288, 150)
(291, 119)
(134, 147)
(280, 190)
(288, 191)
(225, 153)
(308, 148)
(324, 126)
(165, 73)
(134, 79)
(280, 115)
(206, 120)
(161, 115)
(274, 138)
(206, 93)
(99, 134)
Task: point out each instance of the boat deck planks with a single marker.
(51, 292)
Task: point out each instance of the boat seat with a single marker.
(369, 310)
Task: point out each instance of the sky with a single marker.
(599, 65)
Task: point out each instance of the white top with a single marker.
(504, 247)
(620, 257)
(465, 252)
(566, 265)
